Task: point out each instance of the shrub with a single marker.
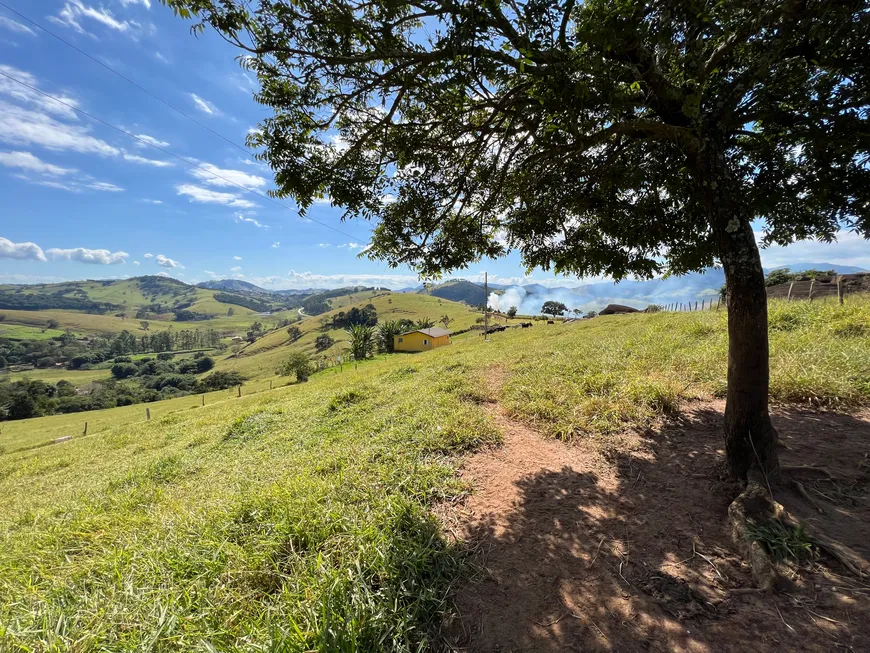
(323, 342)
(204, 364)
(219, 381)
(165, 356)
(124, 370)
(123, 359)
(297, 364)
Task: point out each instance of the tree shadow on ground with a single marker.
(635, 554)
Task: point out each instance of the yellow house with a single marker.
(421, 339)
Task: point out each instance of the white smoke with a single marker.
(530, 303)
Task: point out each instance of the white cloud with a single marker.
(104, 187)
(213, 275)
(21, 251)
(146, 3)
(32, 98)
(83, 255)
(151, 141)
(148, 201)
(29, 162)
(236, 268)
(135, 262)
(163, 274)
(276, 244)
(206, 196)
(149, 255)
(256, 223)
(210, 174)
(151, 162)
(74, 10)
(166, 262)
(388, 198)
(204, 105)
(22, 126)
(237, 258)
(79, 186)
(324, 245)
(849, 249)
(12, 26)
(350, 246)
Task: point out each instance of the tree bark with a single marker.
(750, 439)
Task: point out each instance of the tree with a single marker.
(595, 137)
(553, 308)
(298, 365)
(323, 342)
(424, 323)
(231, 311)
(512, 312)
(294, 332)
(204, 364)
(53, 324)
(124, 370)
(387, 332)
(144, 325)
(776, 277)
(590, 314)
(256, 328)
(445, 320)
(362, 340)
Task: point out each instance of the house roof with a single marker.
(434, 332)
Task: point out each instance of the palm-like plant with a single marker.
(386, 335)
(362, 340)
(425, 323)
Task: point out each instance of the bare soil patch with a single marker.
(633, 552)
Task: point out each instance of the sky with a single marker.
(83, 200)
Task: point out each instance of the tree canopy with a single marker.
(572, 131)
(594, 137)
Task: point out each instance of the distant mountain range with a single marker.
(233, 285)
(594, 296)
(839, 269)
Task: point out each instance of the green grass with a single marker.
(21, 332)
(271, 522)
(55, 374)
(298, 519)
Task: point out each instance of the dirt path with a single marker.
(578, 553)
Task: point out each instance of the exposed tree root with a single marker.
(806, 496)
(807, 468)
(755, 506)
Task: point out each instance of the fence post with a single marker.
(790, 287)
(840, 289)
(270, 384)
(718, 301)
(148, 414)
(240, 389)
(696, 304)
(85, 432)
(812, 287)
(203, 400)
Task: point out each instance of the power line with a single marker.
(125, 78)
(165, 151)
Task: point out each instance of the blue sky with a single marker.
(80, 200)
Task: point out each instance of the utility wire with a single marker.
(165, 151)
(125, 78)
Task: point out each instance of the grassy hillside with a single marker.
(458, 291)
(298, 519)
(261, 358)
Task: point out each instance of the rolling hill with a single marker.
(458, 290)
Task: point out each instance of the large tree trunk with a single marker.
(750, 439)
